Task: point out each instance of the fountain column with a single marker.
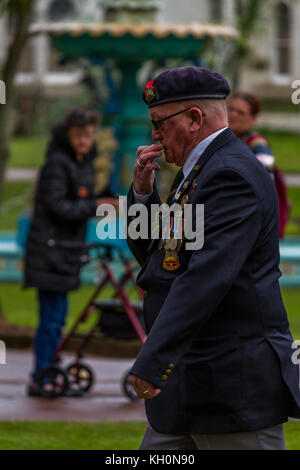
(132, 120)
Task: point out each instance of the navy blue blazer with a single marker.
(219, 344)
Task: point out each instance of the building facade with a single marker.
(273, 65)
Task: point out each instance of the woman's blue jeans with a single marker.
(53, 311)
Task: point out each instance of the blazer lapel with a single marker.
(221, 140)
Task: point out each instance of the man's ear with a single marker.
(197, 119)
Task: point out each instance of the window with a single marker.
(216, 11)
(60, 10)
(283, 38)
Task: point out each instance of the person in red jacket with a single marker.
(243, 110)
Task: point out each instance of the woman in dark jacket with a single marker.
(64, 201)
(243, 110)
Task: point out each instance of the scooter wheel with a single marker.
(80, 377)
(53, 382)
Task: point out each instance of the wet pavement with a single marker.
(104, 402)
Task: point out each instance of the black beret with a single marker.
(185, 83)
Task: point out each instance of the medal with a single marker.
(166, 243)
(179, 244)
(177, 196)
(173, 244)
(171, 247)
(171, 260)
(161, 244)
(185, 199)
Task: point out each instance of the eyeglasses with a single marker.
(156, 123)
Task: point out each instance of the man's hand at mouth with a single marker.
(144, 168)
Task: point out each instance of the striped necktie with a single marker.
(178, 178)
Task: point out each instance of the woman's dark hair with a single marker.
(251, 99)
(80, 117)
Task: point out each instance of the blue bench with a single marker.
(12, 247)
(12, 251)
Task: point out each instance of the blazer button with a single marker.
(168, 371)
(164, 377)
(171, 366)
(145, 293)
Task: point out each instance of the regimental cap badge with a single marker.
(149, 91)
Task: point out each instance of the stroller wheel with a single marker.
(80, 377)
(53, 382)
(127, 387)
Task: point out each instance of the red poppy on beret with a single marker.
(149, 91)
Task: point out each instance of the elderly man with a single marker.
(216, 371)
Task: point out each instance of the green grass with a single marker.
(21, 307)
(28, 152)
(291, 299)
(294, 197)
(293, 227)
(285, 147)
(91, 436)
(292, 435)
(17, 198)
(70, 435)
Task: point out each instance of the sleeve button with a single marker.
(171, 366)
(164, 377)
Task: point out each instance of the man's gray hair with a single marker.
(212, 106)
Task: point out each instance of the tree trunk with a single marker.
(9, 69)
(22, 16)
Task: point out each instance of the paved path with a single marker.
(292, 179)
(280, 121)
(20, 174)
(105, 401)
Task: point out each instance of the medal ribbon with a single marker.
(177, 180)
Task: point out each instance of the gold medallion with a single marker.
(171, 260)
